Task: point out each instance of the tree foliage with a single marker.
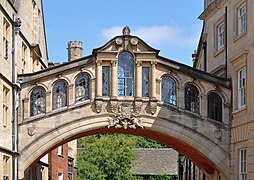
(111, 156)
(106, 157)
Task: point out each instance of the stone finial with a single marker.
(126, 30)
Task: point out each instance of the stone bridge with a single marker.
(126, 87)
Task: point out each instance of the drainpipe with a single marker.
(204, 46)
(16, 91)
(226, 42)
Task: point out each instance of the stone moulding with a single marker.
(125, 118)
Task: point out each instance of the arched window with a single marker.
(168, 90)
(82, 89)
(214, 106)
(125, 74)
(191, 99)
(37, 101)
(59, 95)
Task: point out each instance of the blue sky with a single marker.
(170, 26)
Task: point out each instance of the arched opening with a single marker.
(192, 153)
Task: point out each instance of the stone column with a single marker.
(26, 108)
(114, 79)
(138, 89)
(98, 78)
(153, 80)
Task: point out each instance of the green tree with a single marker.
(106, 157)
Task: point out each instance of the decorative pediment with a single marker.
(126, 42)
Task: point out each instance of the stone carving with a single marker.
(114, 107)
(119, 41)
(153, 107)
(218, 134)
(30, 131)
(98, 106)
(138, 107)
(125, 118)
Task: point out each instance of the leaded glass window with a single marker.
(214, 106)
(168, 90)
(105, 81)
(125, 74)
(82, 87)
(145, 81)
(59, 97)
(191, 100)
(37, 101)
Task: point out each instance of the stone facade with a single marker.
(232, 58)
(204, 140)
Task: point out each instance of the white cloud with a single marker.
(156, 35)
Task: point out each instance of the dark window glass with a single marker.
(168, 90)
(145, 82)
(59, 95)
(105, 81)
(214, 106)
(191, 98)
(82, 87)
(125, 74)
(37, 101)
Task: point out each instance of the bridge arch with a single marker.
(204, 141)
(200, 149)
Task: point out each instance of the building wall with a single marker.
(58, 164)
(237, 53)
(29, 35)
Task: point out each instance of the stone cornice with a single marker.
(212, 9)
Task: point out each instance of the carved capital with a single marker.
(153, 64)
(98, 62)
(113, 63)
(139, 63)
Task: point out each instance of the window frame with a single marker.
(6, 106)
(211, 111)
(55, 101)
(146, 91)
(194, 108)
(168, 98)
(86, 94)
(43, 92)
(220, 36)
(241, 19)
(241, 87)
(125, 79)
(104, 87)
(243, 164)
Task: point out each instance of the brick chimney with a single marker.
(74, 50)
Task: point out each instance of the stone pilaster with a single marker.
(48, 102)
(98, 78)
(114, 79)
(138, 89)
(153, 80)
(71, 94)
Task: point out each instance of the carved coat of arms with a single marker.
(125, 118)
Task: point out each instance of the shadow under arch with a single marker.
(160, 130)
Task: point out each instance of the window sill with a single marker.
(238, 36)
(217, 52)
(241, 109)
(37, 116)
(60, 155)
